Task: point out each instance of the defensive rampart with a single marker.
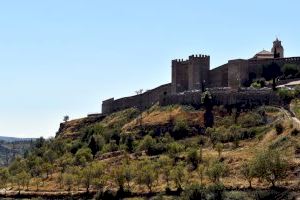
(193, 75)
(247, 98)
(142, 101)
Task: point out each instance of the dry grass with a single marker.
(233, 157)
(160, 117)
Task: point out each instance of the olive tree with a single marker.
(4, 178)
(200, 172)
(179, 175)
(165, 164)
(219, 148)
(270, 166)
(216, 171)
(146, 174)
(247, 170)
(87, 177)
(68, 181)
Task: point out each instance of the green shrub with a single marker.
(83, 155)
(219, 148)
(236, 195)
(270, 166)
(280, 142)
(260, 131)
(147, 143)
(226, 121)
(250, 120)
(216, 191)
(256, 85)
(287, 94)
(76, 145)
(105, 195)
(179, 175)
(194, 192)
(130, 142)
(174, 149)
(110, 147)
(88, 132)
(279, 128)
(147, 174)
(291, 70)
(215, 134)
(156, 149)
(267, 194)
(269, 109)
(295, 132)
(193, 158)
(216, 171)
(247, 170)
(181, 128)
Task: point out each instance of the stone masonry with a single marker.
(194, 75)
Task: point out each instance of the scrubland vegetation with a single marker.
(166, 153)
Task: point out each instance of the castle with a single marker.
(194, 75)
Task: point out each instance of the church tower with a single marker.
(277, 49)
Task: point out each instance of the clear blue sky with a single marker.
(61, 57)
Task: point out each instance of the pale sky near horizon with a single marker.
(63, 57)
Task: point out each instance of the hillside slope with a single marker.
(144, 150)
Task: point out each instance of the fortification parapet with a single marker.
(198, 57)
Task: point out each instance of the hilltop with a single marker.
(165, 150)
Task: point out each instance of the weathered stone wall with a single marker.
(190, 74)
(180, 76)
(198, 71)
(218, 77)
(247, 98)
(107, 106)
(256, 66)
(238, 72)
(143, 101)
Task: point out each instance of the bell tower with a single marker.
(277, 49)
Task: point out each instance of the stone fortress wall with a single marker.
(241, 71)
(142, 101)
(191, 76)
(247, 98)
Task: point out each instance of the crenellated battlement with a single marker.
(176, 61)
(198, 56)
(194, 57)
(194, 75)
(191, 73)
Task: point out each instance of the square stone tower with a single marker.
(191, 74)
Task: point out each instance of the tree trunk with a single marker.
(273, 183)
(150, 189)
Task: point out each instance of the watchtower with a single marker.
(191, 74)
(198, 71)
(179, 76)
